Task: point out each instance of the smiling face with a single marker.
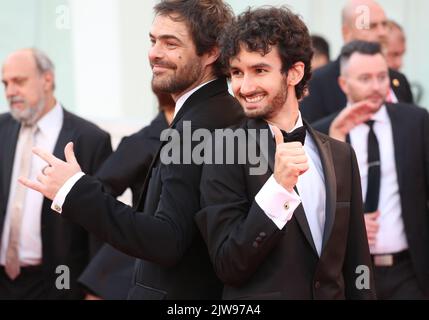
(175, 64)
(258, 83)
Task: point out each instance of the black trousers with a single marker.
(397, 282)
(29, 285)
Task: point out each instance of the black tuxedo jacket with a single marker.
(410, 126)
(63, 242)
(160, 231)
(109, 273)
(326, 97)
(255, 259)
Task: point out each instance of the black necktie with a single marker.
(373, 190)
(296, 135)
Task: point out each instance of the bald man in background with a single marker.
(361, 20)
(33, 242)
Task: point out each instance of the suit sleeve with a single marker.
(162, 236)
(102, 152)
(357, 251)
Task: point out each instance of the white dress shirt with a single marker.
(279, 204)
(30, 246)
(391, 236)
(60, 197)
(181, 101)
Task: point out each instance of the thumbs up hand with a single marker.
(290, 161)
(55, 174)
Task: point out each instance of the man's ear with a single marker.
(296, 73)
(48, 78)
(342, 84)
(212, 56)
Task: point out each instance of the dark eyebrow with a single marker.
(166, 37)
(261, 65)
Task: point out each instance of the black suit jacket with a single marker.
(326, 97)
(63, 242)
(410, 126)
(174, 263)
(255, 259)
(109, 273)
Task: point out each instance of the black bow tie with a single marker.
(296, 135)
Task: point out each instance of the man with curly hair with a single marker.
(296, 231)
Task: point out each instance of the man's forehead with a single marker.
(363, 63)
(169, 25)
(245, 54)
(18, 59)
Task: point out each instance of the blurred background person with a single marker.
(391, 142)
(109, 274)
(321, 50)
(34, 242)
(325, 96)
(396, 46)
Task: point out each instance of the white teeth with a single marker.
(255, 99)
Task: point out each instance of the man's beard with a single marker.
(181, 79)
(28, 115)
(272, 108)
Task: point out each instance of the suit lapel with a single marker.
(267, 152)
(325, 154)
(65, 136)
(399, 141)
(213, 88)
(8, 155)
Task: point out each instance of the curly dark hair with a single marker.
(260, 29)
(205, 19)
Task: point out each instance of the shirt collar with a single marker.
(381, 115)
(299, 123)
(52, 121)
(181, 101)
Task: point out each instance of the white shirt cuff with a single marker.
(277, 203)
(60, 197)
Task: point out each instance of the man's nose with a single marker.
(247, 85)
(155, 52)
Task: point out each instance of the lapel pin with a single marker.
(396, 83)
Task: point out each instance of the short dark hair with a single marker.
(320, 46)
(260, 29)
(205, 19)
(358, 46)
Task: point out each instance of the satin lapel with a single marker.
(267, 148)
(325, 153)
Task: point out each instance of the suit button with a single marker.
(317, 284)
(255, 244)
(262, 234)
(286, 205)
